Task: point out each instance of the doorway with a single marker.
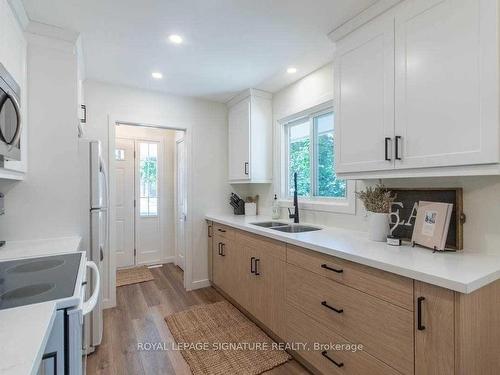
(145, 203)
(181, 200)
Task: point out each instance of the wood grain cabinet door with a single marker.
(434, 330)
(267, 290)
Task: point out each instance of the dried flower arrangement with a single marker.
(377, 199)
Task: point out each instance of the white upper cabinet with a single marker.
(250, 138)
(364, 88)
(444, 96)
(446, 83)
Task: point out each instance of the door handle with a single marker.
(252, 269)
(257, 262)
(222, 247)
(332, 269)
(397, 139)
(325, 354)
(387, 140)
(219, 248)
(420, 326)
(246, 168)
(101, 253)
(338, 311)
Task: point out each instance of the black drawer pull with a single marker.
(331, 269)
(257, 262)
(398, 138)
(387, 139)
(252, 269)
(325, 354)
(222, 230)
(338, 311)
(420, 326)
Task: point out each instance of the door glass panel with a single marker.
(148, 166)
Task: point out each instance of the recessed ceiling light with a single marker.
(291, 70)
(176, 39)
(157, 75)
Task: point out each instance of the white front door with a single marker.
(180, 236)
(149, 233)
(124, 172)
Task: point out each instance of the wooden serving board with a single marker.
(406, 205)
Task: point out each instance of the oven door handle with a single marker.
(89, 305)
(19, 129)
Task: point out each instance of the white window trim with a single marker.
(334, 205)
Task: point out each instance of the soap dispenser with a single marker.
(276, 208)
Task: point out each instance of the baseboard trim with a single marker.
(198, 284)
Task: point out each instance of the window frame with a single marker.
(345, 205)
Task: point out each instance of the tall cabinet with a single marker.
(418, 87)
(250, 137)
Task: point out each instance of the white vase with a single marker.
(378, 226)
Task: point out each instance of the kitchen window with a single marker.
(148, 166)
(309, 150)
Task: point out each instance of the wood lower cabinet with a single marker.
(404, 326)
(435, 331)
(210, 255)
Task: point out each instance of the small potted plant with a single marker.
(377, 201)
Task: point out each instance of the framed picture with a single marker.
(432, 224)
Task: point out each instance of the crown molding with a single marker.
(359, 20)
(20, 13)
(54, 32)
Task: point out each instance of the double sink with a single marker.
(287, 228)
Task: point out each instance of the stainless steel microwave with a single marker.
(10, 116)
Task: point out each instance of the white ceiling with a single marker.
(230, 45)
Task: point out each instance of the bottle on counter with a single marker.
(276, 208)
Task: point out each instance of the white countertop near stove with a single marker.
(24, 330)
(34, 248)
(463, 271)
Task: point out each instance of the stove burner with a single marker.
(39, 265)
(27, 291)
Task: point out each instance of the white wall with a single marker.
(167, 210)
(481, 194)
(206, 124)
(48, 203)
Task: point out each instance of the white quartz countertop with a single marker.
(463, 271)
(33, 248)
(24, 330)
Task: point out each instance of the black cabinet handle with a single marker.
(387, 139)
(325, 354)
(252, 270)
(420, 326)
(246, 168)
(209, 231)
(398, 138)
(222, 230)
(338, 311)
(222, 249)
(257, 262)
(218, 247)
(84, 119)
(331, 269)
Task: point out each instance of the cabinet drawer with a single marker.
(224, 231)
(387, 286)
(385, 330)
(273, 248)
(303, 329)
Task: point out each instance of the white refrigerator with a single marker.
(97, 195)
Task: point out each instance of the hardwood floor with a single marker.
(138, 318)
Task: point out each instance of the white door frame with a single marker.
(176, 195)
(114, 119)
